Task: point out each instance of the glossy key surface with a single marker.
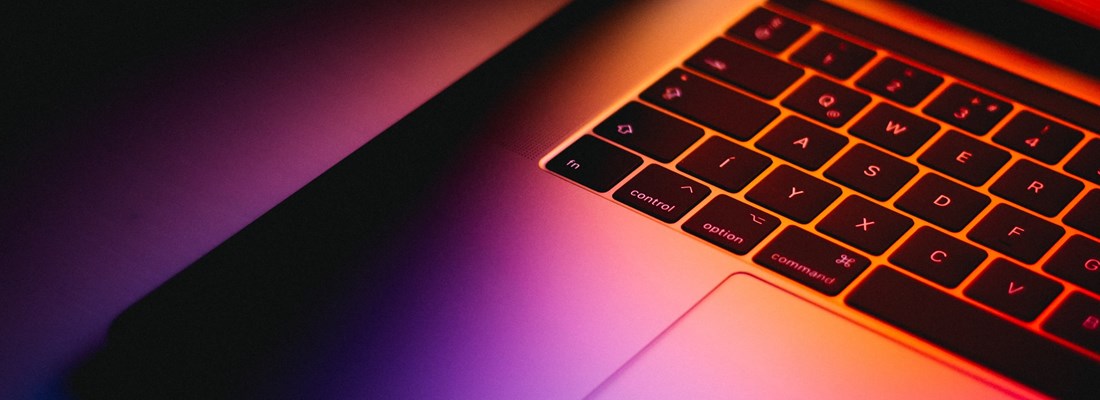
(711, 104)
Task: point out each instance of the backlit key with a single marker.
(801, 142)
(1016, 233)
(1014, 290)
(1038, 137)
(1036, 188)
(725, 110)
(1077, 261)
(900, 82)
(793, 193)
(811, 260)
(594, 163)
(661, 193)
(968, 109)
(768, 30)
(965, 158)
(825, 101)
(731, 224)
(833, 55)
(938, 257)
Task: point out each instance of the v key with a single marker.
(989, 288)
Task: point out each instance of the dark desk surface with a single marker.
(144, 135)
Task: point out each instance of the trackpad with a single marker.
(749, 339)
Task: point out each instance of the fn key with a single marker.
(594, 163)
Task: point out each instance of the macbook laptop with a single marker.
(705, 199)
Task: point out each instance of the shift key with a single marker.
(661, 193)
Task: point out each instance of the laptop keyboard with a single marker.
(949, 210)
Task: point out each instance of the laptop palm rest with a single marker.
(749, 339)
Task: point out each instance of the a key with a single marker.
(1038, 137)
(833, 55)
(793, 193)
(661, 193)
(865, 225)
(894, 129)
(899, 82)
(1077, 261)
(725, 110)
(871, 172)
(825, 101)
(649, 131)
(724, 164)
(1086, 214)
(594, 163)
(938, 257)
(1086, 163)
(1036, 188)
(731, 224)
(1077, 320)
(945, 203)
(1016, 233)
(967, 108)
(811, 260)
(744, 67)
(801, 142)
(768, 30)
(965, 158)
(1013, 290)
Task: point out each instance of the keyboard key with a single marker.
(768, 30)
(649, 131)
(744, 67)
(731, 224)
(967, 108)
(938, 257)
(825, 101)
(971, 332)
(1013, 290)
(801, 142)
(965, 158)
(833, 55)
(1038, 137)
(594, 163)
(1016, 233)
(894, 129)
(1077, 320)
(899, 82)
(871, 172)
(1077, 261)
(661, 193)
(1036, 188)
(942, 202)
(865, 225)
(725, 110)
(793, 193)
(724, 164)
(1086, 164)
(811, 260)
(1084, 215)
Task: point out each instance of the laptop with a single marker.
(704, 199)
